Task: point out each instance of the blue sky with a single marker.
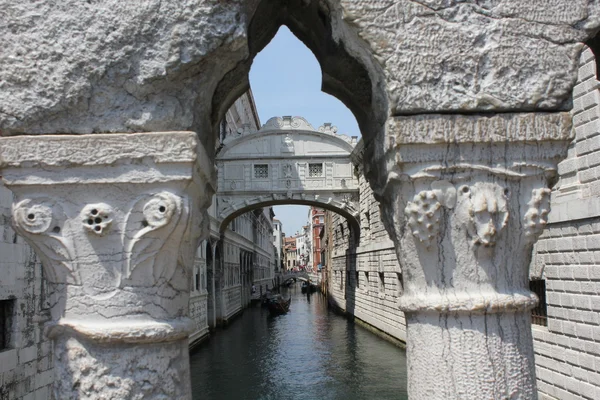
(286, 80)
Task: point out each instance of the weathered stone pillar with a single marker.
(116, 219)
(466, 197)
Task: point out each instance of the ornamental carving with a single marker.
(487, 205)
(96, 218)
(41, 221)
(536, 217)
(287, 144)
(147, 228)
(424, 211)
(287, 171)
(424, 215)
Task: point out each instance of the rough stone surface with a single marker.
(88, 370)
(148, 65)
(473, 55)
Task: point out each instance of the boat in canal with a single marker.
(277, 305)
(305, 287)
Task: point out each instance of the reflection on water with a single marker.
(309, 353)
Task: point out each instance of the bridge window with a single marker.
(315, 170)
(261, 171)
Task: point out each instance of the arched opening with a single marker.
(352, 221)
(348, 71)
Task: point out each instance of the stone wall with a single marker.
(26, 366)
(367, 281)
(232, 302)
(567, 257)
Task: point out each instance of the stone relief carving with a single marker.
(297, 123)
(44, 218)
(96, 218)
(536, 216)
(424, 212)
(287, 144)
(287, 171)
(150, 213)
(487, 205)
(423, 215)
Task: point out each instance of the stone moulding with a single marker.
(114, 150)
(462, 303)
(130, 331)
(494, 128)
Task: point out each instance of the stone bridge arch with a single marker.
(287, 161)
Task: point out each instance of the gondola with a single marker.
(277, 305)
(305, 286)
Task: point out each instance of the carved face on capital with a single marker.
(487, 211)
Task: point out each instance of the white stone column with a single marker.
(115, 219)
(466, 198)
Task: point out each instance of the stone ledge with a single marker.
(130, 157)
(124, 331)
(484, 303)
(497, 128)
(97, 149)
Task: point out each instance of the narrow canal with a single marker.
(310, 353)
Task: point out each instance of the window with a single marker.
(315, 170)
(539, 313)
(357, 280)
(261, 171)
(6, 312)
(381, 284)
(366, 288)
(197, 279)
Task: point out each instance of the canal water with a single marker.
(310, 353)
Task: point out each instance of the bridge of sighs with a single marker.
(287, 161)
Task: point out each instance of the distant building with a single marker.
(317, 221)
(278, 236)
(290, 253)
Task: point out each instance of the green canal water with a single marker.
(310, 353)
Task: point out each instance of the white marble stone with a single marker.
(116, 220)
(464, 215)
(273, 166)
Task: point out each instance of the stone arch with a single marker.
(328, 204)
(349, 71)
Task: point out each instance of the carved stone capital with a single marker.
(116, 219)
(464, 200)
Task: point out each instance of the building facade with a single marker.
(290, 253)
(317, 224)
(278, 236)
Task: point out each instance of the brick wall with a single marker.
(367, 280)
(567, 256)
(26, 365)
